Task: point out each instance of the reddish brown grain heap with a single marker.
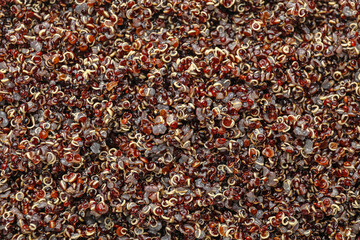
(175, 119)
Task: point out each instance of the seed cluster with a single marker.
(177, 119)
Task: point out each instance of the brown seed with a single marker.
(268, 152)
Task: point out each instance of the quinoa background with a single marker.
(179, 119)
